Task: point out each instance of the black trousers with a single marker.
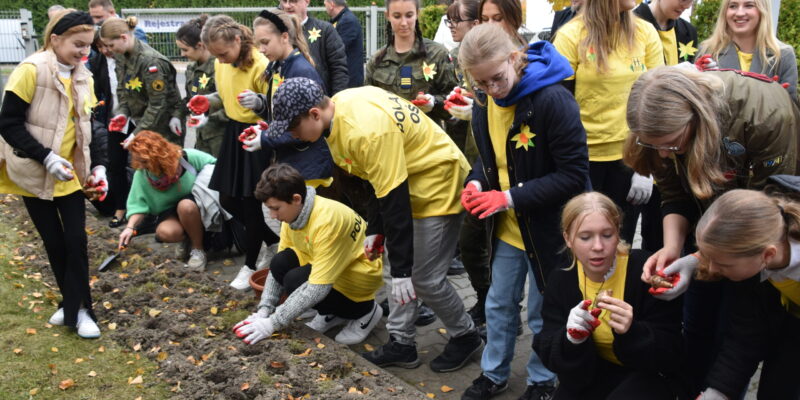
(286, 269)
(613, 179)
(652, 223)
(248, 211)
(613, 382)
(474, 243)
(61, 223)
(118, 183)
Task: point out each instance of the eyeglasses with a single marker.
(496, 83)
(670, 148)
(453, 22)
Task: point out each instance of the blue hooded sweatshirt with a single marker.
(546, 66)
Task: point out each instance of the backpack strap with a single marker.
(187, 166)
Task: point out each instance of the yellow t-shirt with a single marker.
(22, 82)
(500, 121)
(333, 243)
(790, 295)
(603, 336)
(603, 98)
(231, 81)
(382, 138)
(669, 43)
(745, 59)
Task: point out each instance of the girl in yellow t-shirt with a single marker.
(603, 332)
(744, 39)
(753, 239)
(45, 125)
(609, 48)
(239, 67)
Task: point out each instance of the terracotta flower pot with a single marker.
(257, 281)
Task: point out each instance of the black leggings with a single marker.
(118, 169)
(286, 269)
(61, 224)
(248, 211)
(611, 381)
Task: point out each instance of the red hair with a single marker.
(150, 151)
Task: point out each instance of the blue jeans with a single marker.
(509, 267)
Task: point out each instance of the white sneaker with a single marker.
(357, 330)
(265, 256)
(308, 314)
(323, 323)
(242, 280)
(57, 318)
(197, 260)
(87, 328)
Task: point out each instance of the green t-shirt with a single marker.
(145, 199)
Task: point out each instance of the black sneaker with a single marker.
(539, 391)
(426, 316)
(457, 352)
(394, 354)
(483, 388)
(478, 313)
(456, 267)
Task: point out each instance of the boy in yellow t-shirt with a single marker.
(416, 172)
(320, 263)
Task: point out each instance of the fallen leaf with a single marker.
(244, 386)
(112, 326)
(228, 262)
(36, 294)
(154, 312)
(136, 381)
(137, 347)
(30, 331)
(443, 331)
(53, 369)
(214, 310)
(446, 389)
(108, 305)
(54, 349)
(33, 391)
(79, 360)
(92, 374)
(101, 349)
(374, 372)
(368, 347)
(17, 351)
(320, 346)
(277, 364)
(352, 390)
(66, 384)
(305, 353)
(162, 356)
(124, 264)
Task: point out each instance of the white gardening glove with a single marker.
(403, 290)
(424, 102)
(58, 167)
(459, 105)
(256, 330)
(261, 313)
(197, 121)
(127, 142)
(249, 99)
(679, 273)
(98, 180)
(175, 126)
(373, 246)
(582, 322)
(711, 394)
(118, 124)
(641, 189)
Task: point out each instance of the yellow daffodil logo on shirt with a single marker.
(428, 70)
(524, 138)
(134, 84)
(348, 163)
(203, 81)
(314, 34)
(87, 105)
(686, 50)
(591, 56)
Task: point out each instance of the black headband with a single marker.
(276, 20)
(74, 18)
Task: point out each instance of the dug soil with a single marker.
(151, 304)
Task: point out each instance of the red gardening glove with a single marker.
(673, 279)
(705, 62)
(486, 204)
(198, 104)
(251, 132)
(373, 246)
(419, 101)
(118, 123)
(467, 194)
(596, 314)
(581, 322)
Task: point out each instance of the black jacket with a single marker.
(685, 33)
(327, 50)
(653, 343)
(349, 29)
(760, 327)
(543, 175)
